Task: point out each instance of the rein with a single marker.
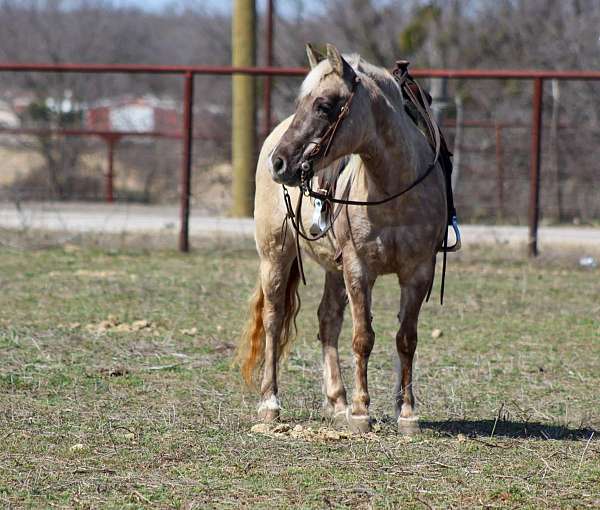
(407, 85)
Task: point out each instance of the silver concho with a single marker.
(319, 218)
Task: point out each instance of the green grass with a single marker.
(508, 395)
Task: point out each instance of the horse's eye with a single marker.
(323, 108)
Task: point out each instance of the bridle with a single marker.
(320, 150)
(325, 140)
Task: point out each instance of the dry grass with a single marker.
(152, 415)
(16, 163)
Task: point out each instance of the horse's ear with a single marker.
(335, 59)
(339, 65)
(314, 55)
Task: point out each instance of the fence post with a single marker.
(458, 141)
(110, 171)
(534, 179)
(499, 172)
(186, 162)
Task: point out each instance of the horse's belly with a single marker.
(384, 249)
(324, 251)
(390, 250)
(397, 250)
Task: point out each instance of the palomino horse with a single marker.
(387, 153)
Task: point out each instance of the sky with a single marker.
(211, 5)
(158, 5)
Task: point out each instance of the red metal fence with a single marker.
(188, 73)
(110, 138)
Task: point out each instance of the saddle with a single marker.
(411, 92)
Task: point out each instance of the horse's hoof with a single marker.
(268, 415)
(268, 410)
(335, 419)
(339, 420)
(409, 426)
(359, 424)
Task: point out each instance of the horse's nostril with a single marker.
(278, 164)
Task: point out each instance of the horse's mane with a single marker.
(381, 76)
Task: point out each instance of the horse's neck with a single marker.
(397, 153)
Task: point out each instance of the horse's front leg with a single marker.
(359, 285)
(412, 296)
(331, 316)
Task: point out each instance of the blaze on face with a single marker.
(324, 92)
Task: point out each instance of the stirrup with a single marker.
(456, 246)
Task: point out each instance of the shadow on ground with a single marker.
(509, 429)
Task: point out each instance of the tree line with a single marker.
(548, 34)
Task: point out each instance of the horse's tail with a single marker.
(251, 347)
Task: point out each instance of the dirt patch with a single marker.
(285, 431)
(85, 273)
(113, 324)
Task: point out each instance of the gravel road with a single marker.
(119, 218)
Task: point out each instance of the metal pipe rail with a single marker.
(471, 74)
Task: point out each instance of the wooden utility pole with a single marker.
(243, 136)
(268, 121)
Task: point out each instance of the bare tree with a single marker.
(441, 33)
(96, 31)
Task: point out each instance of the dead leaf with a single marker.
(97, 274)
(114, 324)
(141, 324)
(281, 428)
(260, 428)
(114, 372)
(224, 347)
(164, 367)
(71, 248)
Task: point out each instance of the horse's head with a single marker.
(330, 121)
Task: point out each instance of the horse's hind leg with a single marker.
(331, 316)
(412, 296)
(275, 281)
